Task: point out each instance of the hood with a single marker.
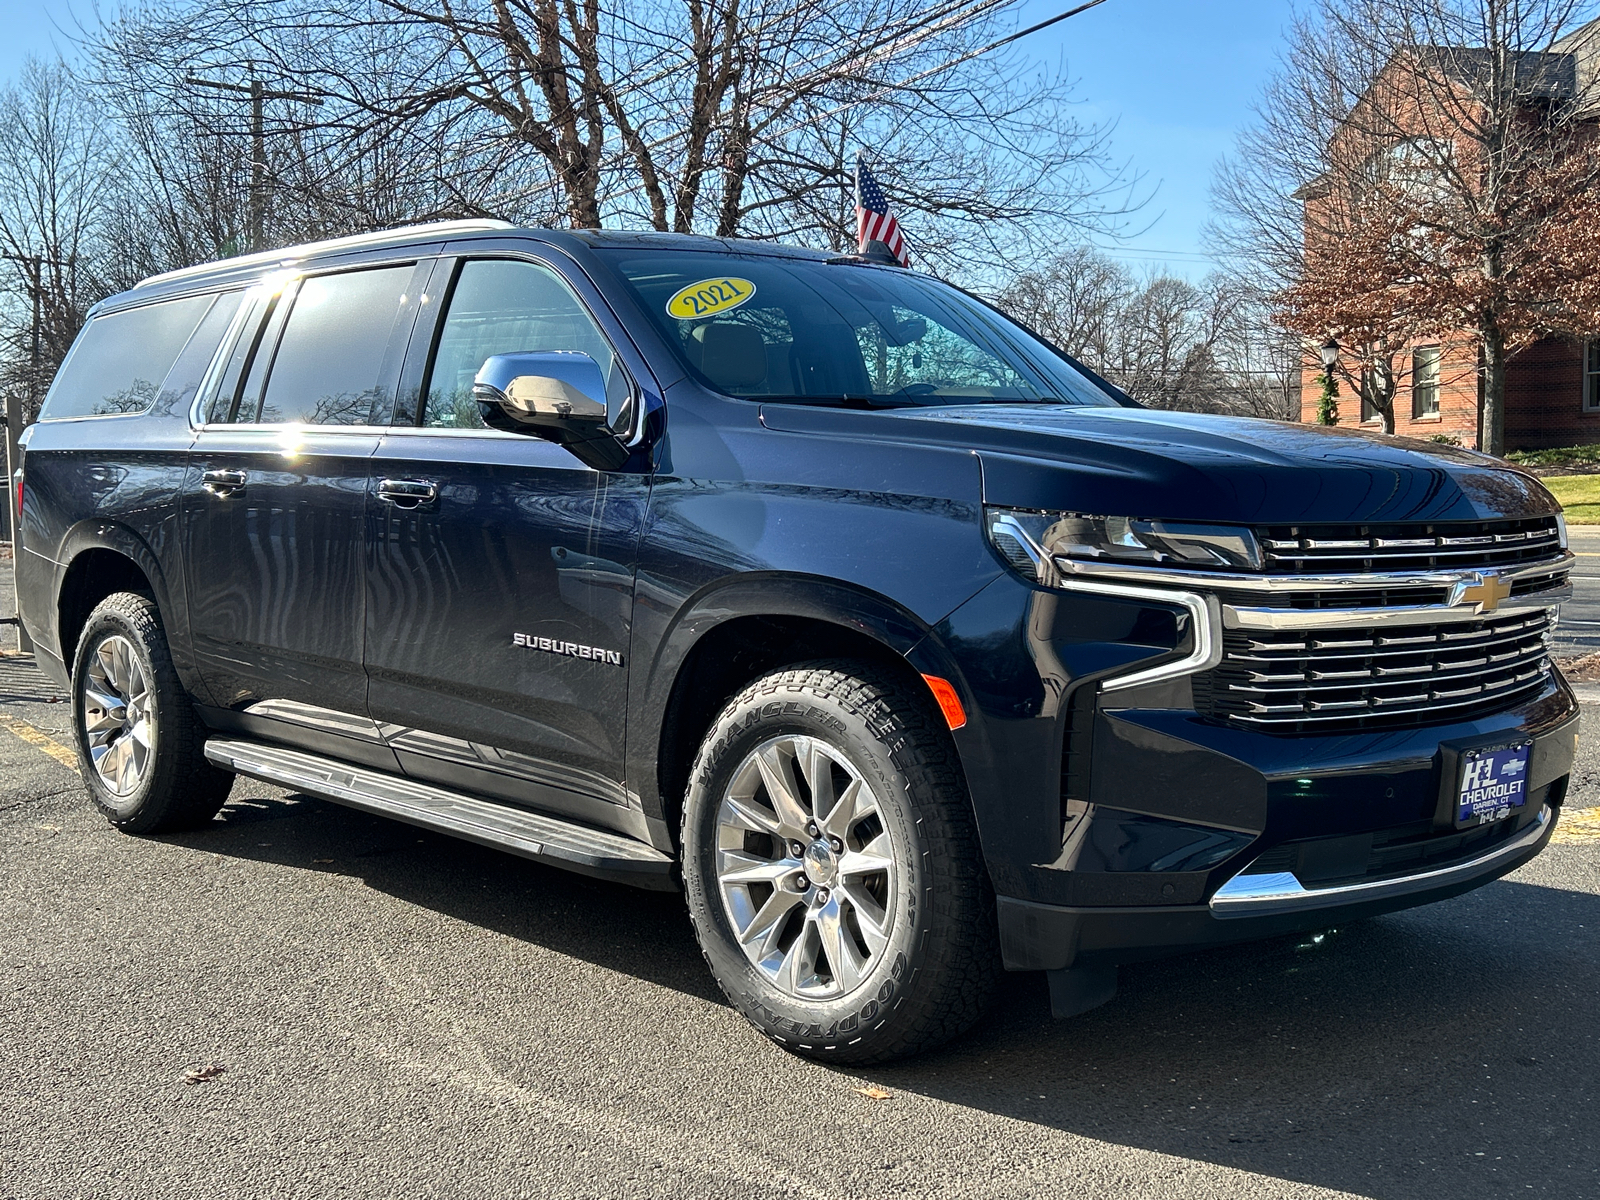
(1194, 466)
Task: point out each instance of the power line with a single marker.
(922, 35)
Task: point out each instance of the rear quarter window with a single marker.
(121, 359)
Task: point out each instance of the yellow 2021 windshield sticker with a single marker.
(709, 296)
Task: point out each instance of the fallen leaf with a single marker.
(319, 861)
(871, 1092)
(201, 1074)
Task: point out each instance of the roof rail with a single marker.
(358, 241)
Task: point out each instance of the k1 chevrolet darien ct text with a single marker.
(903, 644)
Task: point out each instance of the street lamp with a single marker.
(1328, 404)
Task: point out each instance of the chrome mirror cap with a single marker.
(544, 387)
(558, 395)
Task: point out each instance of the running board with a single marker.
(532, 835)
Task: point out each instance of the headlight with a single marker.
(1029, 540)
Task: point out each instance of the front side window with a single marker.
(1425, 382)
(811, 331)
(330, 365)
(121, 359)
(508, 306)
(1591, 375)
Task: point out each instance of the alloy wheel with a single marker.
(805, 867)
(118, 716)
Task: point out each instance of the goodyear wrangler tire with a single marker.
(832, 866)
(141, 748)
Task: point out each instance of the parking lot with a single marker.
(399, 1014)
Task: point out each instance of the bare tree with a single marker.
(1167, 342)
(54, 157)
(1446, 145)
(730, 117)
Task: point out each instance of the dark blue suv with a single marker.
(906, 646)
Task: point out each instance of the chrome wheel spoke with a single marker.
(777, 772)
(745, 868)
(869, 915)
(845, 811)
(798, 964)
(794, 816)
(746, 814)
(118, 715)
(843, 959)
(877, 855)
(770, 916)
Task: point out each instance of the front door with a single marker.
(274, 510)
(500, 587)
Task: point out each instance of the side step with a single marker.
(532, 835)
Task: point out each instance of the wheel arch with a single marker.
(97, 560)
(730, 634)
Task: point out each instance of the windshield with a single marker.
(807, 331)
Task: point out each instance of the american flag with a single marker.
(874, 222)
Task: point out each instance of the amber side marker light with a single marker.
(949, 703)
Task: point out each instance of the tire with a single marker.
(895, 890)
(144, 762)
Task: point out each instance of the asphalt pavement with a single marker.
(1580, 616)
(402, 1015)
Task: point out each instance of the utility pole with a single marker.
(259, 94)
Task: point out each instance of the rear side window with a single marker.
(121, 359)
(333, 361)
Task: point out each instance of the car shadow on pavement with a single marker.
(1449, 1051)
(639, 933)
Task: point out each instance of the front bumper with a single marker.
(1043, 937)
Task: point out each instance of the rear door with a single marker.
(274, 507)
(500, 588)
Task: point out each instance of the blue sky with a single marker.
(1178, 76)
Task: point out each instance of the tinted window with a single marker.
(331, 360)
(120, 360)
(834, 332)
(502, 306)
(183, 381)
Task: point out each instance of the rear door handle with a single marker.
(408, 493)
(223, 483)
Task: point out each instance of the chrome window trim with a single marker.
(294, 256)
(1278, 584)
(1262, 895)
(204, 394)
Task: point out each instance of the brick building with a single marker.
(1552, 387)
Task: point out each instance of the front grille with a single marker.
(1327, 681)
(1453, 545)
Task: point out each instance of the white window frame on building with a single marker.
(1425, 384)
(1591, 375)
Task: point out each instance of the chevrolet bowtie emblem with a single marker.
(1486, 590)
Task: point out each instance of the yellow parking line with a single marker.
(1578, 825)
(42, 740)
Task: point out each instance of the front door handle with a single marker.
(408, 493)
(223, 483)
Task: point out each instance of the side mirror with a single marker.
(558, 395)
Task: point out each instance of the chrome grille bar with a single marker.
(1482, 544)
(1318, 683)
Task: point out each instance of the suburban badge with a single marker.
(531, 641)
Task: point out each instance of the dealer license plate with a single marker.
(1494, 784)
